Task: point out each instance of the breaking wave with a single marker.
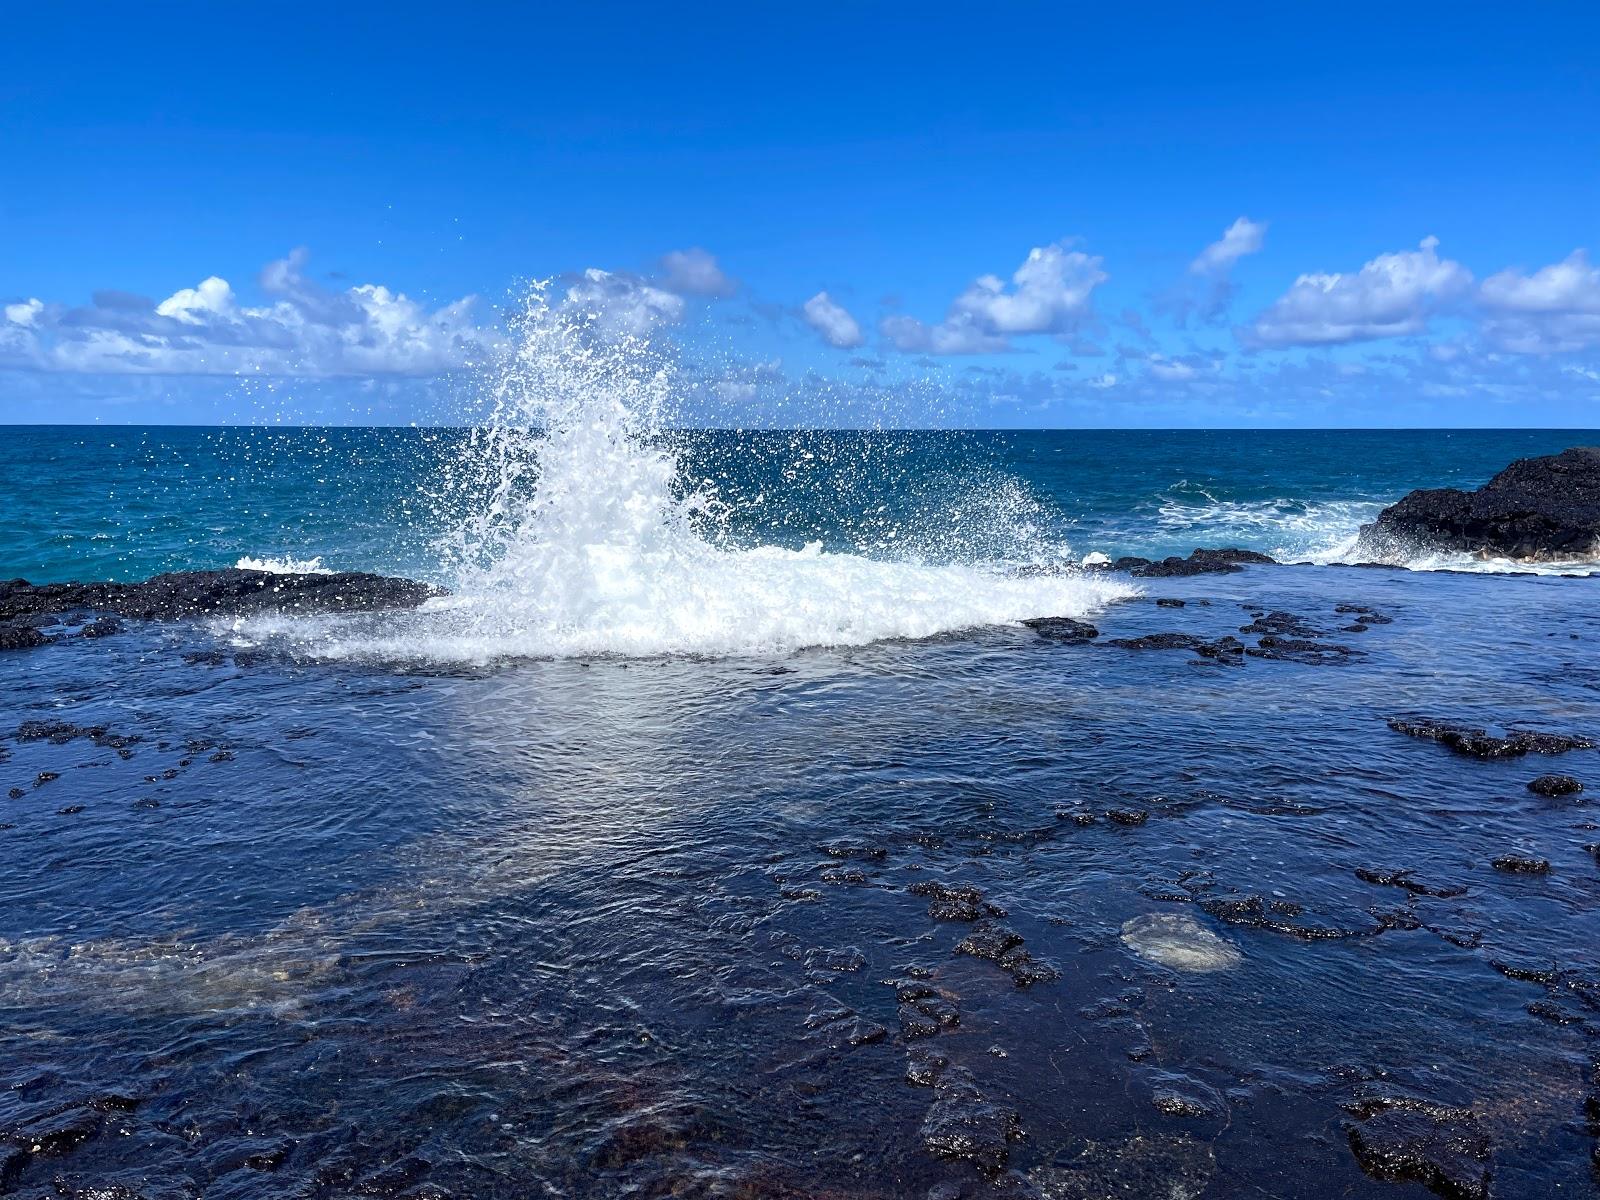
(287, 565)
(584, 537)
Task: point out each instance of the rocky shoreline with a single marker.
(92, 609)
(1543, 509)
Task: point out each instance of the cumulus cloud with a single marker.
(1554, 310)
(624, 305)
(305, 331)
(694, 272)
(833, 321)
(1243, 237)
(1391, 296)
(1050, 293)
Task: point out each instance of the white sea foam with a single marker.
(287, 565)
(586, 540)
(1288, 528)
(1441, 561)
(1323, 532)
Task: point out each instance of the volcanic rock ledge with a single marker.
(1537, 509)
(25, 607)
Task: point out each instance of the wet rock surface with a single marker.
(1063, 629)
(1476, 742)
(965, 1123)
(1404, 1139)
(1536, 508)
(1199, 562)
(1555, 785)
(229, 592)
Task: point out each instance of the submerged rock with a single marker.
(1555, 785)
(1063, 629)
(1475, 742)
(1402, 879)
(1229, 649)
(1403, 1139)
(1301, 650)
(954, 901)
(964, 1123)
(1282, 623)
(1003, 946)
(231, 592)
(1200, 562)
(1516, 864)
(1176, 1104)
(1178, 941)
(20, 636)
(1536, 509)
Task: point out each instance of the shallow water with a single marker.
(600, 927)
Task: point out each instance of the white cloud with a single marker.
(833, 322)
(1572, 285)
(1050, 293)
(624, 305)
(1243, 237)
(1391, 296)
(306, 331)
(213, 299)
(694, 272)
(954, 335)
(25, 314)
(1554, 310)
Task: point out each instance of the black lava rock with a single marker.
(15, 635)
(1402, 1139)
(1200, 562)
(1282, 623)
(1537, 508)
(1480, 743)
(232, 592)
(1555, 785)
(1402, 879)
(1515, 864)
(1301, 650)
(1228, 650)
(964, 1123)
(1063, 629)
(954, 902)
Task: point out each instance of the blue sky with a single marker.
(1017, 215)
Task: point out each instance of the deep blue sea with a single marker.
(725, 834)
(127, 502)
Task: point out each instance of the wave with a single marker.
(1290, 528)
(1323, 532)
(586, 538)
(287, 565)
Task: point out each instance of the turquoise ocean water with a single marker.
(127, 502)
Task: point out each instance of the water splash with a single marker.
(286, 565)
(584, 537)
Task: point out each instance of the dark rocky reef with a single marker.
(1063, 629)
(25, 607)
(1536, 509)
(1200, 562)
(1475, 742)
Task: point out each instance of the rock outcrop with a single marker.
(1537, 509)
(25, 607)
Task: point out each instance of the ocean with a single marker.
(725, 832)
(126, 502)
